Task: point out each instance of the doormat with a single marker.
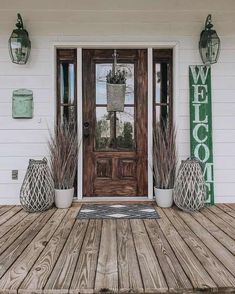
(117, 211)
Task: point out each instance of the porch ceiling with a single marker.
(113, 18)
(121, 4)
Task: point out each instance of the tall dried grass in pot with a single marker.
(164, 156)
(63, 148)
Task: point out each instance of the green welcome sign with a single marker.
(201, 122)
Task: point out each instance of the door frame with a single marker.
(121, 45)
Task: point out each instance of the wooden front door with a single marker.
(115, 143)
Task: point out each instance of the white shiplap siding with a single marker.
(49, 22)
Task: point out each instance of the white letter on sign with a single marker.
(206, 152)
(200, 94)
(208, 172)
(195, 133)
(197, 119)
(198, 74)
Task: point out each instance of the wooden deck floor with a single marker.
(53, 253)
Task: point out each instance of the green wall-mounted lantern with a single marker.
(22, 103)
(19, 43)
(209, 44)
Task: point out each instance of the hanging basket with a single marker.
(190, 187)
(37, 191)
(116, 97)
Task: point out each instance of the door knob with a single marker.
(86, 129)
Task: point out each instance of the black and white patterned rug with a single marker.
(117, 211)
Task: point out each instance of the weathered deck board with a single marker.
(220, 223)
(14, 250)
(197, 274)
(107, 270)
(173, 272)
(231, 205)
(221, 276)
(223, 238)
(63, 272)
(15, 232)
(12, 222)
(149, 266)
(128, 268)
(226, 257)
(19, 270)
(223, 215)
(38, 275)
(228, 209)
(84, 274)
(4, 209)
(8, 214)
(54, 253)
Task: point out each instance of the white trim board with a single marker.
(150, 123)
(114, 199)
(127, 45)
(79, 124)
(123, 45)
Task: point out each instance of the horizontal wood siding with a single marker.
(136, 20)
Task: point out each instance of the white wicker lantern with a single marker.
(37, 191)
(190, 188)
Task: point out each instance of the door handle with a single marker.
(86, 129)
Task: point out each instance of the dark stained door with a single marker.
(115, 143)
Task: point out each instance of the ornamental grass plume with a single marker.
(63, 148)
(164, 155)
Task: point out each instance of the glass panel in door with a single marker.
(114, 130)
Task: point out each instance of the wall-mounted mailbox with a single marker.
(22, 103)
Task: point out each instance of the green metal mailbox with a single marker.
(22, 103)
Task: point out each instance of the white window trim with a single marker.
(127, 45)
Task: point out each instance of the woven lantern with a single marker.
(190, 187)
(37, 191)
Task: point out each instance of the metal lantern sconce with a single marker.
(19, 43)
(209, 44)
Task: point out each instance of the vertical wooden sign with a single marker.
(201, 122)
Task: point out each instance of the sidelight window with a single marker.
(162, 85)
(66, 85)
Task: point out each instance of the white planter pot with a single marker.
(64, 198)
(164, 197)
